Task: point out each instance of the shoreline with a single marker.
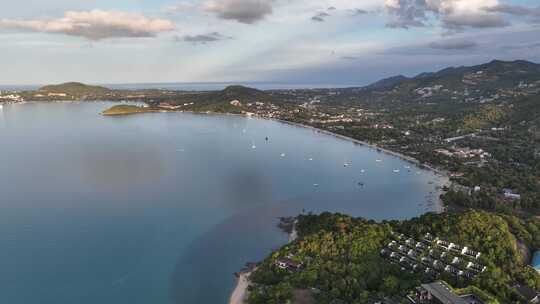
(240, 293)
(441, 173)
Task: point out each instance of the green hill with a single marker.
(480, 83)
(124, 110)
(342, 257)
(75, 89)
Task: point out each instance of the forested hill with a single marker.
(343, 260)
(74, 89)
(481, 83)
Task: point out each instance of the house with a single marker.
(437, 293)
(286, 263)
(236, 103)
(530, 295)
(511, 195)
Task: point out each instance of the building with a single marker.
(530, 295)
(286, 263)
(437, 293)
(511, 195)
(236, 103)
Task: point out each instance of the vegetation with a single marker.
(125, 110)
(341, 257)
(75, 89)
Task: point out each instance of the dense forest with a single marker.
(342, 262)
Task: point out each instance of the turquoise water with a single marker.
(536, 261)
(164, 208)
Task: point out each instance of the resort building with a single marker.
(437, 293)
(530, 295)
(288, 264)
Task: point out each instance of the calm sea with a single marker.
(199, 86)
(164, 208)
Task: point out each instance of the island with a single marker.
(126, 110)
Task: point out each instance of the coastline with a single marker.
(240, 293)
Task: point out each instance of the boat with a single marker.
(310, 159)
(361, 184)
(362, 171)
(315, 185)
(379, 160)
(253, 147)
(345, 165)
(396, 171)
(282, 154)
(407, 167)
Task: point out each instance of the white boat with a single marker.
(362, 171)
(310, 159)
(282, 154)
(407, 167)
(396, 171)
(379, 160)
(253, 147)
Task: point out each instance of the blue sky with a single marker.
(300, 41)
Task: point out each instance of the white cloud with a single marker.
(94, 25)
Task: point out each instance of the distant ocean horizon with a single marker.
(200, 86)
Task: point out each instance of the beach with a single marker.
(240, 292)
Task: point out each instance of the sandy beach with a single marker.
(240, 293)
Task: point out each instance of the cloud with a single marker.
(359, 11)
(180, 7)
(454, 15)
(320, 17)
(203, 38)
(243, 11)
(94, 25)
(529, 46)
(515, 10)
(453, 44)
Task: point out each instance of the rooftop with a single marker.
(443, 293)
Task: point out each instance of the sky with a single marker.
(286, 41)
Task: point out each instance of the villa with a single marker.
(286, 263)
